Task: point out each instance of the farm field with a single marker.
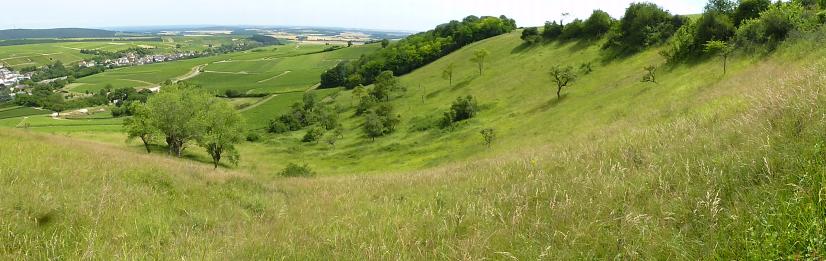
(18, 56)
(277, 69)
(17, 111)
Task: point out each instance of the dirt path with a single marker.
(191, 74)
(238, 73)
(271, 78)
(258, 103)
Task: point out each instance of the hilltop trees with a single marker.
(562, 76)
(552, 30)
(417, 50)
(478, 58)
(644, 25)
(749, 9)
(184, 114)
(597, 24)
(531, 35)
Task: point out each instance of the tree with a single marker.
(385, 43)
(385, 84)
(724, 7)
(349, 43)
(178, 113)
(373, 126)
(223, 128)
(650, 74)
(749, 9)
(479, 58)
(139, 126)
(447, 73)
(359, 92)
(531, 35)
(598, 24)
(552, 30)
(562, 76)
(488, 135)
(722, 49)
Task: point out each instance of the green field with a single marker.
(16, 111)
(277, 69)
(18, 56)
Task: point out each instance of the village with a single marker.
(132, 59)
(13, 80)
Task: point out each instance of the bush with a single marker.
(552, 30)
(294, 170)
(774, 24)
(749, 9)
(531, 35)
(313, 135)
(462, 109)
(572, 30)
(253, 137)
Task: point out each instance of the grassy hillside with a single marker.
(699, 166)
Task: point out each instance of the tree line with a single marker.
(416, 50)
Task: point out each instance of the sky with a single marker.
(404, 15)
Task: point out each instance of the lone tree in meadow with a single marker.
(488, 136)
(479, 58)
(447, 73)
(562, 76)
(359, 92)
(722, 49)
(531, 35)
(650, 74)
(140, 126)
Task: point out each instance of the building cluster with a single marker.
(132, 59)
(13, 80)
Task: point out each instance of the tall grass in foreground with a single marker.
(706, 186)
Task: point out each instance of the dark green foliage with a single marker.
(385, 43)
(774, 24)
(552, 30)
(313, 135)
(265, 39)
(573, 30)
(54, 33)
(722, 7)
(304, 114)
(408, 54)
(531, 35)
(297, 171)
(462, 109)
(749, 9)
(597, 24)
(253, 136)
(644, 25)
(650, 74)
(488, 136)
(380, 121)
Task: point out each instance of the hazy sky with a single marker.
(411, 15)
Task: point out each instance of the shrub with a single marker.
(749, 9)
(462, 109)
(572, 30)
(253, 136)
(313, 135)
(531, 35)
(294, 170)
(774, 24)
(552, 30)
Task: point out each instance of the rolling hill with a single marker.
(700, 165)
(13, 34)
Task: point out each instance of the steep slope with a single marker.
(518, 100)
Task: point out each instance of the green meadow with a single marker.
(699, 165)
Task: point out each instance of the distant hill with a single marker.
(13, 34)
